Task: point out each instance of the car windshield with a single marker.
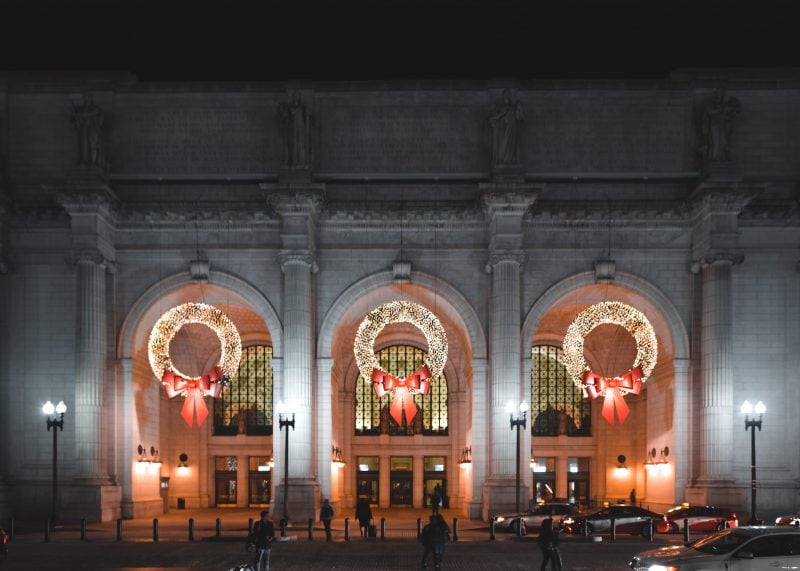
(676, 511)
(722, 542)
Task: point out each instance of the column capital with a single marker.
(508, 198)
(294, 199)
(499, 256)
(286, 257)
(717, 258)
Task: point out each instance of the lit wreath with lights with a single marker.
(635, 323)
(417, 382)
(177, 383)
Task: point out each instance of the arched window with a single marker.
(245, 405)
(372, 413)
(557, 405)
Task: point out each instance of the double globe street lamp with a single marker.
(55, 420)
(517, 422)
(751, 424)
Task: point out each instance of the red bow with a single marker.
(596, 385)
(195, 389)
(383, 383)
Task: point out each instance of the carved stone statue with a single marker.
(87, 118)
(717, 126)
(505, 122)
(297, 123)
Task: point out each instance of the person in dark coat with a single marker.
(440, 534)
(427, 541)
(326, 515)
(548, 543)
(364, 516)
(263, 536)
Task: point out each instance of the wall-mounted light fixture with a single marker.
(148, 463)
(657, 461)
(336, 457)
(466, 457)
(183, 467)
(621, 469)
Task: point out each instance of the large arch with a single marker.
(249, 294)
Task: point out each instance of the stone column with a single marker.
(680, 452)
(479, 439)
(715, 247)
(418, 481)
(323, 427)
(92, 223)
(297, 205)
(505, 204)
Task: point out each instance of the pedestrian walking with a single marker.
(263, 536)
(364, 516)
(440, 534)
(548, 543)
(326, 515)
(426, 539)
(436, 499)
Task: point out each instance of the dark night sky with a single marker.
(232, 40)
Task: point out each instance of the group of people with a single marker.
(433, 536)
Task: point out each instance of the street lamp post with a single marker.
(55, 420)
(752, 424)
(520, 421)
(285, 423)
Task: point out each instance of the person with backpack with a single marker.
(263, 536)
(427, 541)
(548, 543)
(326, 515)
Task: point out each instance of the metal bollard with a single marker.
(310, 529)
(47, 530)
(83, 529)
(613, 529)
(11, 530)
(219, 527)
(191, 529)
(249, 526)
(652, 531)
(347, 529)
(383, 528)
(119, 529)
(455, 529)
(155, 529)
(491, 530)
(585, 528)
(283, 525)
(686, 538)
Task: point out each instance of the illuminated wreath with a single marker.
(177, 383)
(635, 323)
(417, 382)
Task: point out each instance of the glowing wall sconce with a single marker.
(183, 467)
(621, 469)
(657, 461)
(336, 457)
(466, 457)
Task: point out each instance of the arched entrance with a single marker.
(576, 453)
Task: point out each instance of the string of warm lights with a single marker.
(617, 313)
(400, 312)
(208, 315)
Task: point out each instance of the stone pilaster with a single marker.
(92, 493)
(718, 204)
(506, 205)
(323, 425)
(297, 205)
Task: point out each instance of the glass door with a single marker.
(401, 481)
(544, 479)
(367, 478)
(435, 475)
(578, 481)
(225, 480)
(259, 481)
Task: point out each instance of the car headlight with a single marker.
(499, 518)
(568, 521)
(662, 568)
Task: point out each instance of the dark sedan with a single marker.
(701, 518)
(627, 519)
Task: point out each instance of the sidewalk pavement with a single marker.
(139, 552)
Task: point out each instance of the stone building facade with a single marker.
(504, 208)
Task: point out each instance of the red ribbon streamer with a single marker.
(597, 385)
(384, 383)
(207, 385)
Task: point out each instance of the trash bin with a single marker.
(181, 503)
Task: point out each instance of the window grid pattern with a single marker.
(245, 405)
(557, 405)
(372, 413)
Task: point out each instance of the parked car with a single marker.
(701, 518)
(534, 518)
(760, 548)
(791, 519)
(628, 519)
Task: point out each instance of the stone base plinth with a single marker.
(499, 495)
(94, 501)
(717, 493)
(303, 501)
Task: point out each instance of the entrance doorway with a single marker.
(367, 479)
(259, 481)
(435, 474)
(544, 479)
(225, 480)
(578, 481)
(401, 481)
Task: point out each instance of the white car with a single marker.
(757, 548)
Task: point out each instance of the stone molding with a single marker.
(298, 257)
